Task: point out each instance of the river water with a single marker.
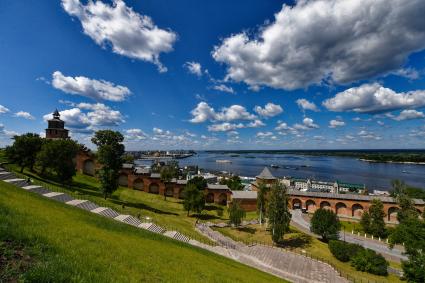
(324, 168)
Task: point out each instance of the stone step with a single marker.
(17, 182)
(87, 205)
(63, 198)
(108, 212)
(31, 187)
(76, 202)
(132, 221)
(40, 190)
(6, 175)
(52, 194)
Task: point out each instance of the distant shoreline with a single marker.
(390, 161)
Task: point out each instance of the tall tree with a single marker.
(58, 156)
(278, 212)
(262, 202)
(236, 213)
(398, 187)
(199, 182)
(24, 150)
(168, 172)
(365, 222)
(193, 199)
(411, 233)
(377, 214)
(109, 154)
(407, 208)
(326, 224)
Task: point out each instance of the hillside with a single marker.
(43, 240)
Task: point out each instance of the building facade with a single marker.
(56, 127)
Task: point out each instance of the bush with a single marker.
(369, 261)
(344, 251)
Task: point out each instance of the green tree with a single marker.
(168, 172)
(193, 199)
(128, 158)
(398, 187)
(407, 208)
(377, 223)
(58, 156)
(199, 182)
(326, 224)
(236, 213)
(109, 154)
(411, 232)
(24, 150)
(365, 222)
(278, 213)
(234, 183)
(369, 261)
(262, 202)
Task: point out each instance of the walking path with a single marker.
(283, 264)
(382, 248)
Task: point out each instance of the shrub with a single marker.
(344, 251)
(369, 261)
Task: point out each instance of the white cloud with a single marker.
(408, 73)
(304, 104)
(4, 132)
(409, 115)
(203, 112)
(374, 98)
(225, 127)
(255, 124)
(95, 89)
(341, 41)
(336, 123)
(264, 134)
(25, 115)
(282, 127)
(127, 32)
(269, 110)
(307, 124)
(380, 123)
(87, 117)
(135, 135)
(3, 109)
(223, 88)
(368, 135)
(194, 68)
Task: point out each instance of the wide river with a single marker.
(325, 168)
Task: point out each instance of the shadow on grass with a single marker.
(140, 206)
(204, 216)
(245, 229)
(297, 241)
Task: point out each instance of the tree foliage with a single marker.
(369, 261)
(372, 221)
(278, 213)
(326, 224)
(193, 199)
(343, 251)
(58, 156)
(199, 182)
(24, 150)
(234, 183)
(262, 202)
(109, 154)
(411, 232)
(236, 213)
(168, 172)
(407, 208)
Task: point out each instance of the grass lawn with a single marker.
(167, 213)
(42, 240)
(300, 242)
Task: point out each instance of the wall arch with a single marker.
(123, 180)
(310, 206)
(88, 167)
(181, 193)
(138, 184)
(392, 214)
(296, 203)
(209, 198)
(357, 210)
(154, 188)
(222, 199)
(325, 204)
(169, 189)
(341, 209)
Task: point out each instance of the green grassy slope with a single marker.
(65, 244)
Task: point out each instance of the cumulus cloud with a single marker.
(4, 132)
(87, 117)
(223, 88)
(264, 134)
(255, 124)
(282, 127)
(269, 110)
(409, 115)
(194, 68)
(127, 32)
(203, 112)
(374, 98)
(135, 135)
(225, 127)
(25, 115)
(336, 123)
(408, 73)
(95, 89)
(368, 135)
(304, 104)
(307, 124)
(3, 109)
(340, 41)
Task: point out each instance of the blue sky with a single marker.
(217, 74)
